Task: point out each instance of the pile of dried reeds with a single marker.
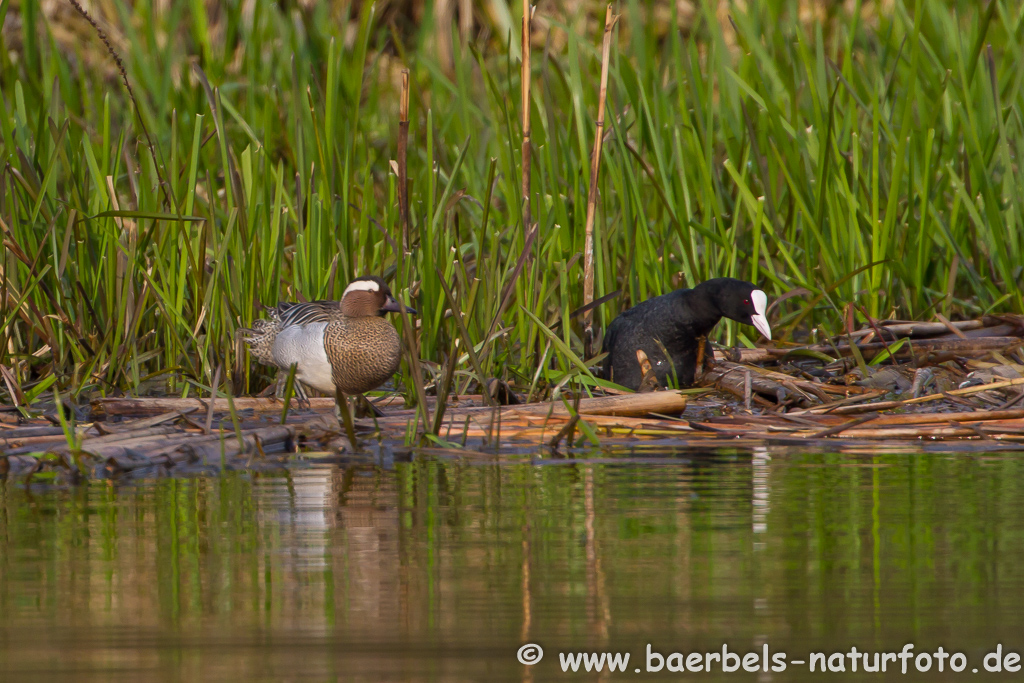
(988, 425)
(149, 446)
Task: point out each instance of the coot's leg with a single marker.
(705, 358)
(648, 380)
(709, 356)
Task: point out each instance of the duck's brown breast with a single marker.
(364, 352)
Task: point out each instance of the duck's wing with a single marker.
(296, 313)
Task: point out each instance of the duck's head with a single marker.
(369, 296)
(740, 301)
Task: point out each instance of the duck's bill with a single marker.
(392, 306)
(761, 323)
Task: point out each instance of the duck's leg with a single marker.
(366, 408)
(345, 417)
(298, 388)
(301, 396)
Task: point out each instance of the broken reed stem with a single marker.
(595, 166)
(525, 77)
(403, 146)
(213, 400)
(411, 343)
(444, 387)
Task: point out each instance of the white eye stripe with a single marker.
(362, 286)
(760, 301)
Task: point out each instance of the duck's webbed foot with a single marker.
(298, 391)
(301, 396)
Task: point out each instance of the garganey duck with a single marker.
(345, 345)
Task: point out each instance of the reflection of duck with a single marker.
(346, 345)
(366, 558)
(674, 323)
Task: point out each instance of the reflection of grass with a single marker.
(452, 549)
(760, 150)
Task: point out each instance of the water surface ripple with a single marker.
(439, 570)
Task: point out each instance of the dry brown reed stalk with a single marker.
(403, 146)
(213, 400)
(950, 326)
(152, 405)
(869, 350)
(918, 329)
(838, 429)
(595, 166)
(411, 341)
(525, 78)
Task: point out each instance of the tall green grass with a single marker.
(861, 159)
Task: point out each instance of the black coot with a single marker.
(677, 320)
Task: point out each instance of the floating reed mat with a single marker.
(465, 416)
(159, 404)
(822, 412)
(978, 343)
(628, 414)
(170, 440)
(1000, 425)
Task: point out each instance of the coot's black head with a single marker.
(738, 300)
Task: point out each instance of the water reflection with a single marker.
(440, 570)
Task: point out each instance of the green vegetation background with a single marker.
(858, 152)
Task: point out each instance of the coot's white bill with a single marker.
(760, 321)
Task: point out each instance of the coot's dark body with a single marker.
(677, 320)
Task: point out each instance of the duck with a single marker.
(345, 345)
(675, 324)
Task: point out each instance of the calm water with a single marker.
(440, 570)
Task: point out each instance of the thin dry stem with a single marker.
(403, 146)
(595, 167)
(525, 77)
(411, 341)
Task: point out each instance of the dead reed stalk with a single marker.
(595, 167)
(403, 146)
(411, 341)
(525, 77)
